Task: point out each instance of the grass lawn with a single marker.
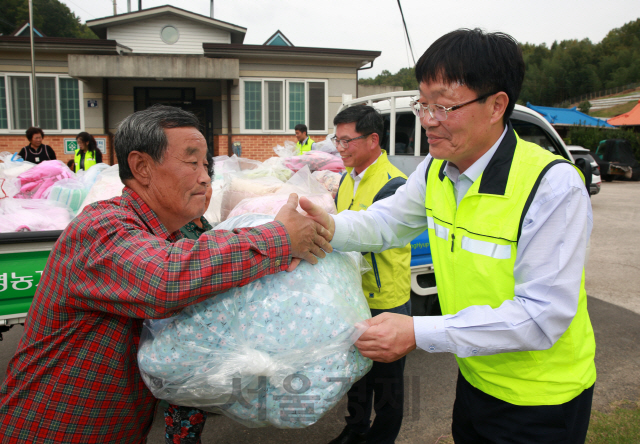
(614, 110)
(620, 426)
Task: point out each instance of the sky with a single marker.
(376, 25)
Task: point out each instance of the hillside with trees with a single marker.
(564, 70)
(51, 17)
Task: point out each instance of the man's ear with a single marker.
(375, 140)
(500, 103)
(140, 166)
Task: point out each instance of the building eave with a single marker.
(64, 45)
(358, 57)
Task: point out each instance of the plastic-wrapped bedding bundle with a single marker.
(316, 161)
(278, 351)
(32, 215)
(302, 183)
(107, 185)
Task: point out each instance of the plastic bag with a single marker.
(326, 145)
(278, 351)
(37, 181)
(316, 161)
(243, 185)
(89, 177)
(69, 192)
(329, 180)
(32, 215)
(302, 183)
(288, 149)
(8, 187)
(13, 165)
(107, 186)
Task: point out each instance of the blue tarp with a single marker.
(568, 116)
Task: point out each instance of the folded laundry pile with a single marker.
(278, 351)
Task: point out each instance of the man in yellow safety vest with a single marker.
(304, 141)
(508, 223)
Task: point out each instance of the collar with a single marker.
(476, 169)
(147, 215)
(304, 142)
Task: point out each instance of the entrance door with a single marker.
(184, 98)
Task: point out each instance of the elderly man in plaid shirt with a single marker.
(74, 377)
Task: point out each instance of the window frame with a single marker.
(285, 97)
(6, 76)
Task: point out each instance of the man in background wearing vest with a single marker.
(304, 141)
(370, 177)
(508, 224)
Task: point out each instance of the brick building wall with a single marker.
(255, 147)
(14, 143)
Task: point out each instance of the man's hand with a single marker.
(318, 214)
(390, 336)
(309, 239)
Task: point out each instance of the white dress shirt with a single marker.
(548, 266)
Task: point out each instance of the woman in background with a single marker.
(87, 154)
(36, 151)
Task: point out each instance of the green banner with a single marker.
(20, 275)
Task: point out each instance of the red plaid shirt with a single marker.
(75, 377)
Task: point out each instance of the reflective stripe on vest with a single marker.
(474, 248)
(390, 287)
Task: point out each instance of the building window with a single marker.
(20, 99)
(253, 105)
(47, 109)
(284, 103)
(4, 121)
(169, 34)
(58, 102)
(296, 104)
(70, 103)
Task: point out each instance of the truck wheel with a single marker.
(607, 177)
(636, 174)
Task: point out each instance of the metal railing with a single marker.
(595, 95)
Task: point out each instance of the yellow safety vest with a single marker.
(388, 284)
(474, 248)
(301, 149)
(89, 159)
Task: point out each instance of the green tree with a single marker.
(585, 107)
(51, 17)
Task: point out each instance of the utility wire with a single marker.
(406, 32)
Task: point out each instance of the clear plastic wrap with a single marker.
(288, 149)
(243, 185)
(69, 192)
(329, 180)
(278, 351)
(326, 145)
(302, 183)
(32, 215)
(13, 165)
(106, 186)
(316, 161)
(37, 181)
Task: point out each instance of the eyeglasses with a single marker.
(440, 112)
(344, 143)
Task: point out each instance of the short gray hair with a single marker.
(143, 131)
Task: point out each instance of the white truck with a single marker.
(406, 144)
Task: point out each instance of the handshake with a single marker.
(309, 235)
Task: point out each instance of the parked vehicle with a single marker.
(616, 160)
(406, 144)
(578, 152)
